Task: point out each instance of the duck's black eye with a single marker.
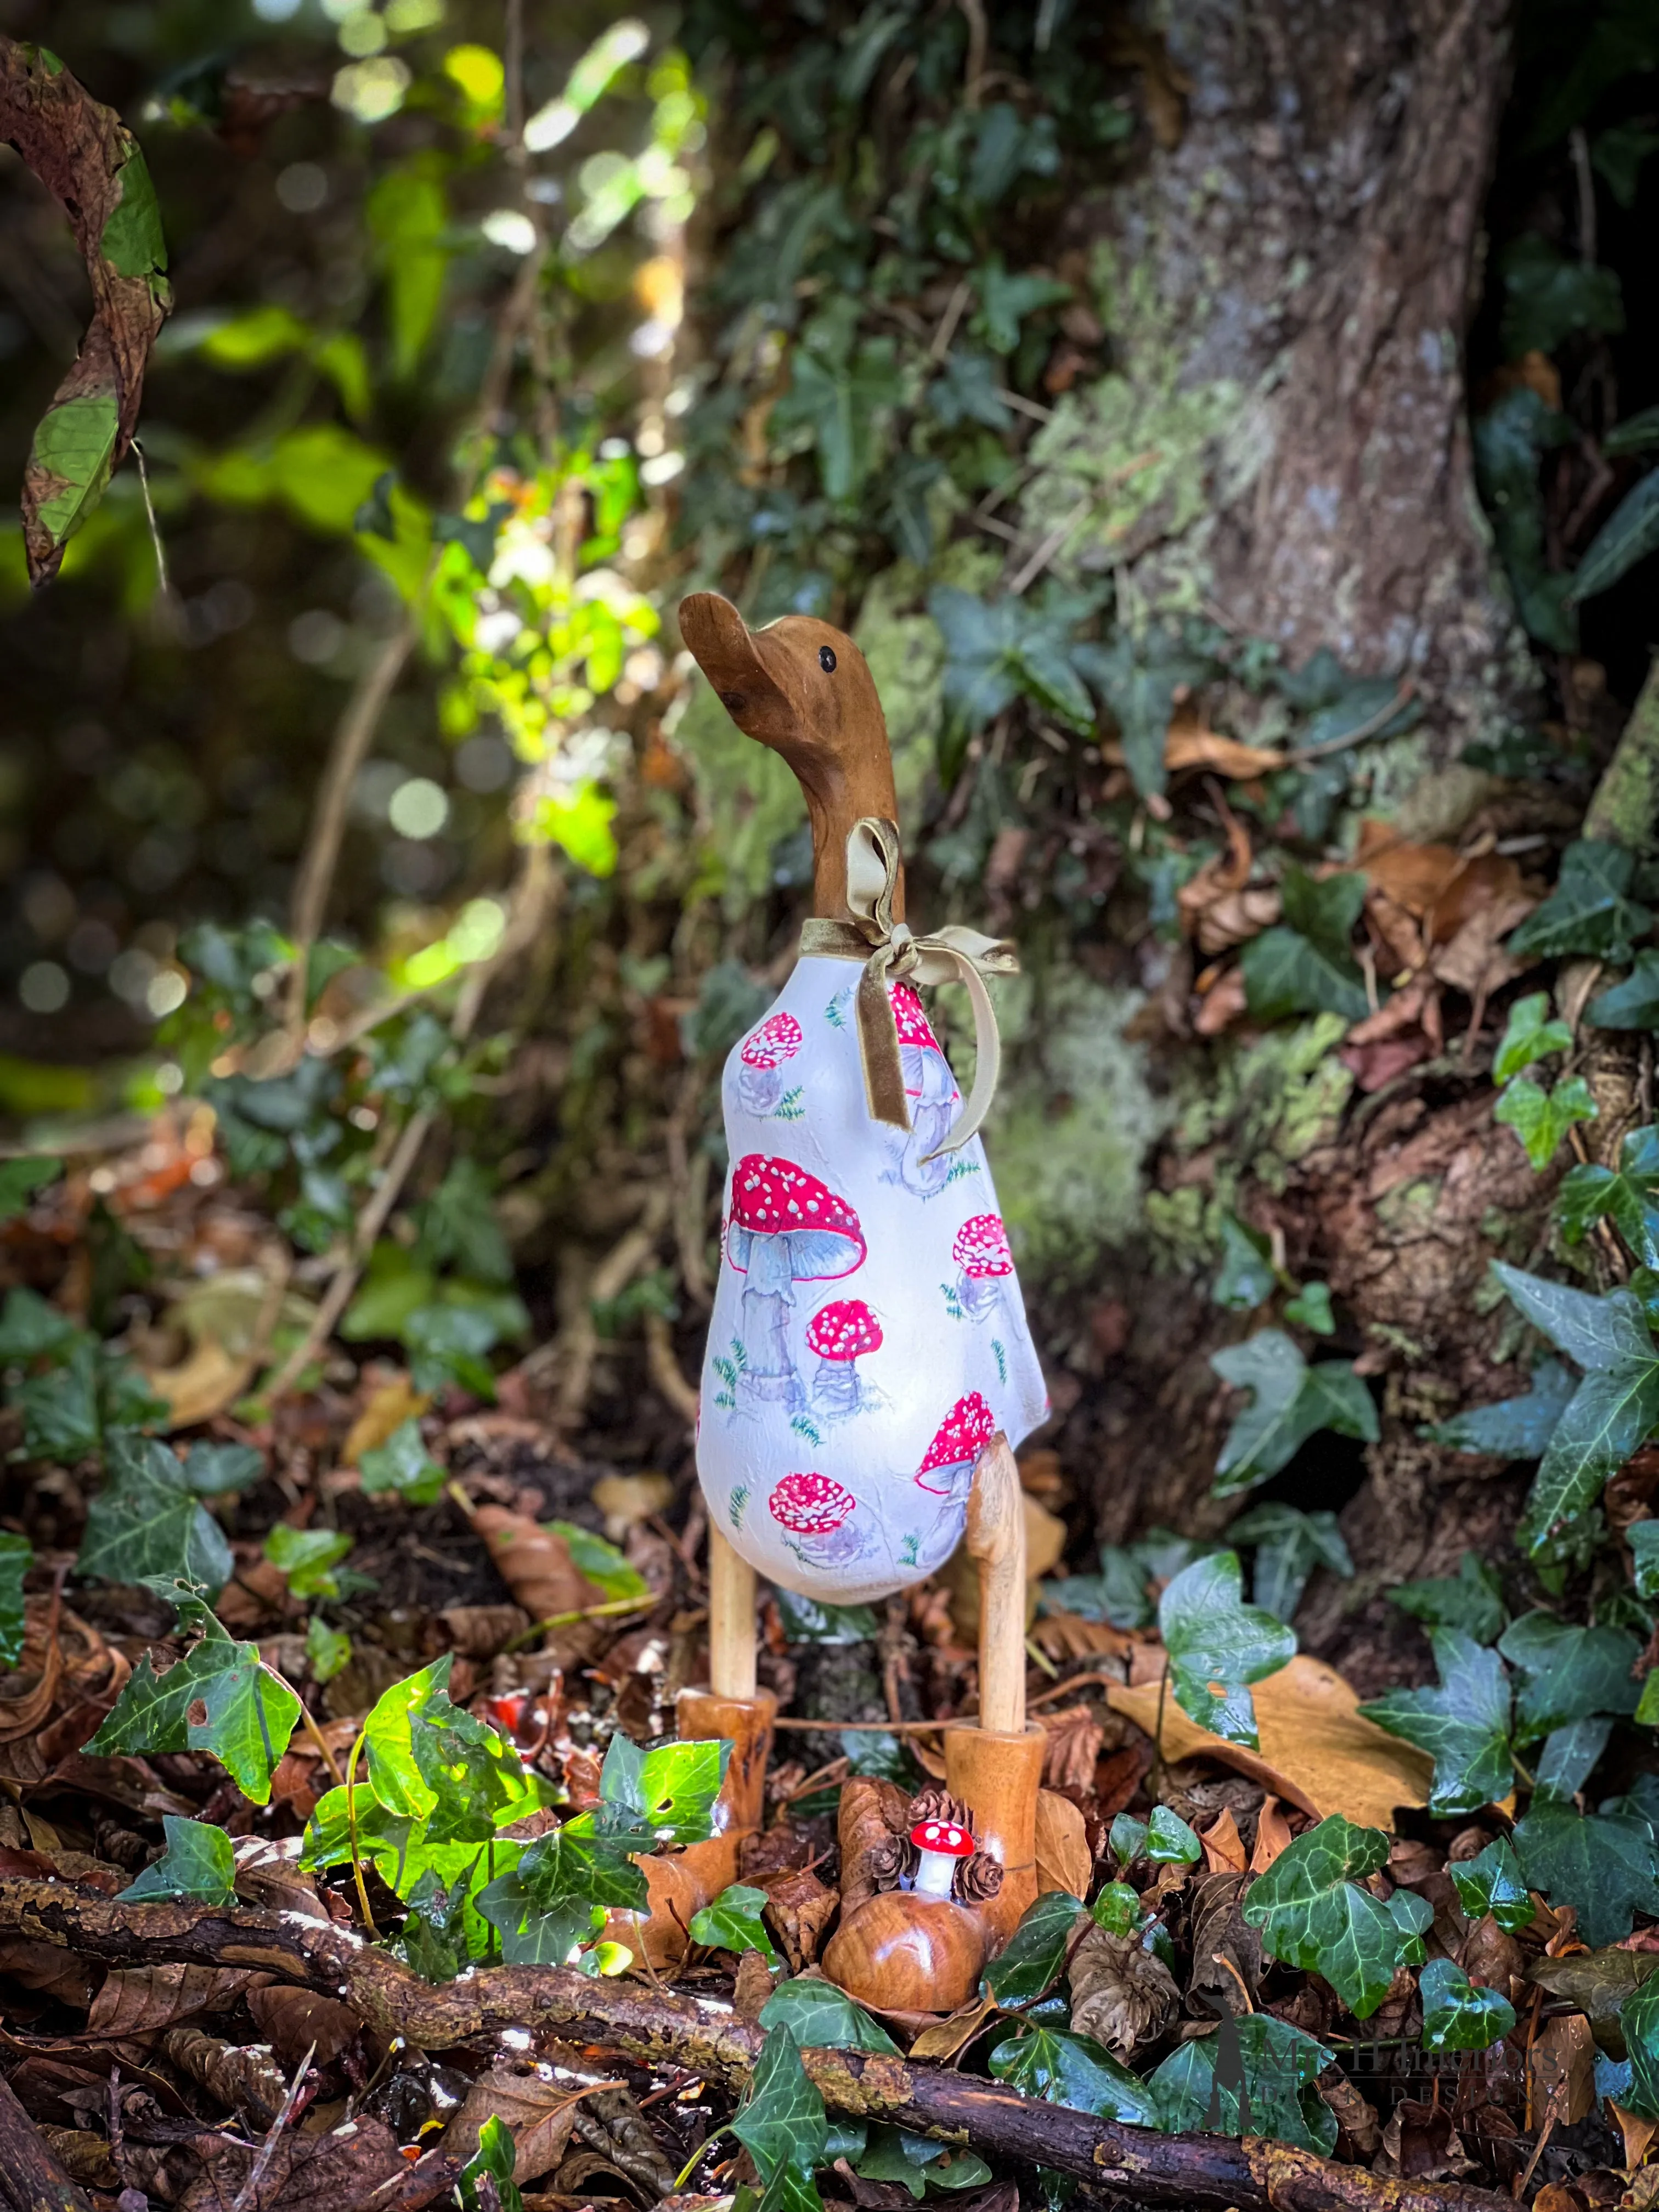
(827, 659)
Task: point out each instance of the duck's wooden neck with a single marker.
(841, 789)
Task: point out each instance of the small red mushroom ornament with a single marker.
(944, 1847)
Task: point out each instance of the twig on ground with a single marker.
(248, 2194)
(1201, 2171)
(1368, 728)
(30, 2177)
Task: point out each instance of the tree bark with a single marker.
(30, 2177)
(1316, 230)
(658, 2028)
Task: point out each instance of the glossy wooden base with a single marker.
(909, 1954)
(997, 1776)
(683, 1882)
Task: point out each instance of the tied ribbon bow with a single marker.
(891, 953)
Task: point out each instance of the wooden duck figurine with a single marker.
(869, 1362)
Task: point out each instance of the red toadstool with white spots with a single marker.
(840, 1333)
(944, 1847)
(818, 1512)
(786, 1227)
(930, 1088)
(982, 1252)
(763, 1058)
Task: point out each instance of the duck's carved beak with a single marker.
(737, 662)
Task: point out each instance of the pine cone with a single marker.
(884, 1862)
(936, 1804)
(978, 1880)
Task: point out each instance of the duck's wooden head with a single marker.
(805, 691)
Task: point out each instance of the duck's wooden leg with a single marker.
(995, 1767)
(733, 1709)
(910, 1952)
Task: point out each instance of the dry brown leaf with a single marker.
(387, 1408)
(535, 1563)
(294, 2021)
(139, 2000)
(242, 2078)
(1063, 1857)
(83, 2156)
(338, 2172)
(1638, 2132)
(1223, 1847)
(1316, 1753)
(799, 1908)
(47, 1968)
(626, 1498)
(1222, 1004)
(751, 1986)
(1562, 2064)
(1273, 1834)
(1045, 1538)
(202, 1384)
(1070, 1754)
(1189, 744)
(871, 1813)
(539, 2113)
(479, 1631)
(941, 2039)
(1355, 2114)
(1122, 1995)
(1068, 1636)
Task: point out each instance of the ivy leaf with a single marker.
(1510, 441)
(1471, 1600)
(600, 1562)
(19, 1181)
(1589, 911)
(1137, 678)
(1570, 1672)
(558, 1894)
(200, 1861)
(1613, 1409)
(1569, 1756)
(810, 1620)
(16, 1558)
(1117, 1906)
(821, 2017)
(1632, 1005)
(1603, 1864)
(1291, 1401)
(1073, 2071)
(1311, 1308)
(1413, 1916)
(1490, 1883)
(1118, 1593)
(1257, 2075)
(1643, 1537)
(1551, 297)
(732, 1923)
(1290, 1544)
(967, 390)
(1514, 1428)
(1005, 300)
(782, 2125)
(1217, 1646)
(1463, 1723)
(1629, 535)
(403, 1465)
(31, 1327)
(218, 1698)
(979, 680)
(216, 1470)
(327, 1650)
(1459, 2015)
(1639, 2017)
(1530, 1036)
(1128, 1839)
(1170, 1841)
(1626, 1195)
(497, 2156)
(1311, 1913)
(1036, 1951)
(843, 408)
(1305, 964)
(1246, 1279)
(306, 1556)
(147, 1521)
(1542, 1118)
(663, 1795)
(894, 2155)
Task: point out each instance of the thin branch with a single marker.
(1380, 720)
(248, 2194)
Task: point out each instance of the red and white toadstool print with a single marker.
(931, 1089)
(785, 1227)
(840, 1333)
(763, 1056)
(982, 1253)
(961, 1437)
(817, 1513)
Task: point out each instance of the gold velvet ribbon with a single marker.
(892, 954)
